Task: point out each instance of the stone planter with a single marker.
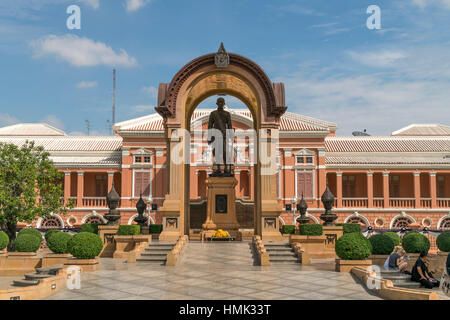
(348, 265)
(86, 265)
(379, 259)
(51, 259)
(125, 244)
(19, 263)
(314, 246)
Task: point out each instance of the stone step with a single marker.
(279, 249)
(50, 270)
(37, 276)
(153, 254)
(161, 247)
(158, 249)
(282, 254)
(398, 277)
(25, 283)
(283, 259)
(408, 284)
(151, 260)
(276, 245)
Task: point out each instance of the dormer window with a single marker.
(304, 160)
(142, 156)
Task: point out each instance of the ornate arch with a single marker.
(169, 92)
(444, 222)
(400, 220)
(357, 217)
(52, 221)
(93, 217)
(131, 220)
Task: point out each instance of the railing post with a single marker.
(80, 188)
(433, 195)
(417, 189)
(339, 189)
(369, 189)
(386, 189)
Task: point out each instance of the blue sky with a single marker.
(333, 66)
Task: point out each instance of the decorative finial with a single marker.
(222, 59)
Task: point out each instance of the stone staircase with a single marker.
(281, 253)
(400, 279)
(32, 279)
(156, 252)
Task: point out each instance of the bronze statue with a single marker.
(221, 120)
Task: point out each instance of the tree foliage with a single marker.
(30, 186)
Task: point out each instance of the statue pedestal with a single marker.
(221, 209)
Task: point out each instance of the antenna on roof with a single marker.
(114, 98)
(88, 126)
(360, 133)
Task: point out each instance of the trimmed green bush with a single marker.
(85, 245)
(349, 227)
(415, 242)
(310, 229)
(27, 243)
(32, 231)
(442, 241)
(50, 232)
(90, 227)
(381, 244)
(353, 246)
(395, 237)
(288, 229)
(155, 228)
(129, 230)
(4, 240)
(57, 242)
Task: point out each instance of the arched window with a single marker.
(94, 219)
(357, 220)
(401, 222)
(51, 223)
(445, 224)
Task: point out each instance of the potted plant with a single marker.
(85, 248)
(57, 243)
(353, 249)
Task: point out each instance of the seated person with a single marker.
(420, 273)
(397, 260)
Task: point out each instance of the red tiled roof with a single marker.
(70, 143)
(387, 144)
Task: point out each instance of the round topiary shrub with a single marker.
(85, 245)
(27, 243)
(381, 244)
(4, 240)
(353, 246)
(57, 242)
(443, 241)
(50, 232)
(350, 227)
(415, 242)
(395, 237)
(31, 231)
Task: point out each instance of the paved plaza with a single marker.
(215, 271)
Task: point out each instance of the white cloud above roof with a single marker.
(81, 51)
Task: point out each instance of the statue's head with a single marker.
(220, 103)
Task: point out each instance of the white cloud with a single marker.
(95, 4)
(54, 121)
(7, 120)
(422, 4)
(384, 58)
(134, 5)
(151, 91)
(80, 51)
(86, 84)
